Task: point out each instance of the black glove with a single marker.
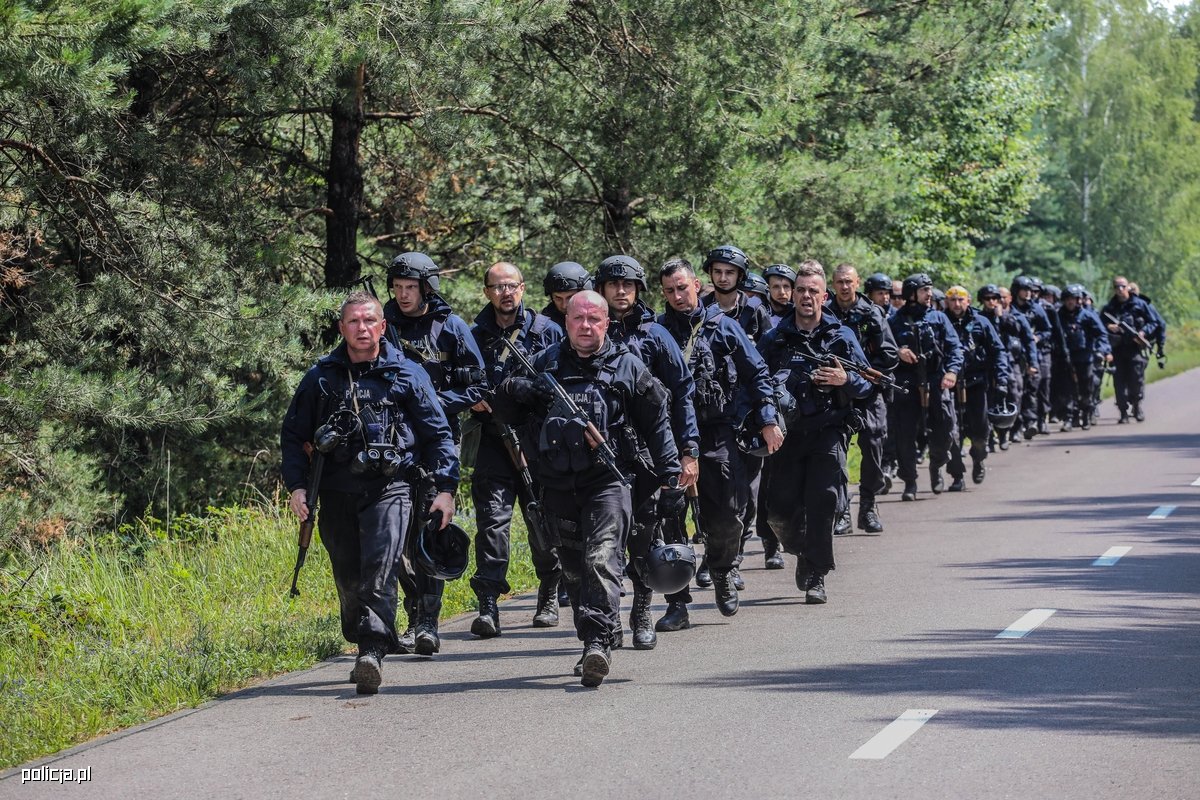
(545, 385)
(523, 390)
(671, 503)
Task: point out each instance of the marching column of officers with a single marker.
(606, 423)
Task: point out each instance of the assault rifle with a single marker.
(600, 446)
(306, 527)
(870, 373)
(533, 509)
(692, 495)
(1128, 329)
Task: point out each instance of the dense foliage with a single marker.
(184, 185)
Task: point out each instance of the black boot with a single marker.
(868, 515)
(936, 483)
(802, 573)
(408, 639)
(644, 637)
(978, 472)
(546, 615)
(368, 668)
(910, 491)
(957, 485)
(843, 526)
(814, 594)
(772, 554)
(595, 664)
(1137, 413)
(727, 595)
(427, 642)
(703, 576)
(676, 618)
(487, 624)
(739, 582)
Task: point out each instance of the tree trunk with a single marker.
(344, 183)
(618, 217)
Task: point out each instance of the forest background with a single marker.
(187, 187)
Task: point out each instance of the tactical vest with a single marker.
(562, 443)
(715, 377)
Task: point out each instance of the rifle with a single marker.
(868, 372)
(306, 527)
(601, 447)
(1129, 329)
(533, 509)
(922, 366)
(693, 502)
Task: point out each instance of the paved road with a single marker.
(1101, 700)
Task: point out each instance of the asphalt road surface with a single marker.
(975, 649)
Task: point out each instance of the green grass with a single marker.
(102, 634)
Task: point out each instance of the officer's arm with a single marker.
(435, 443)
(953, 355)
(1001, 366)
(678, 378)
(751, 373)
(1029, 342)
(1104, 346)
(464, 354)
(886, 354)
(648, 412)
(298, 426)
(856, 387)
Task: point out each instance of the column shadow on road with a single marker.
(1126, 510)
(1161, 442)
(1134, 679)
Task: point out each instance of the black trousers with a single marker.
(1079, 401)
(593, 528)
(495, 491)
(724, 489)
(975, 426)
(870, 444)
(804, 488)
(364, 534)
(1036, 403)
(754, 470)
(1129, 380)
(938, 421)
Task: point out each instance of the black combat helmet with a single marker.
(782, 270)
(621, 268)
(416, 266)
(987, 291)
(1023, 282)
(442, 554)
(908, 289)
(756, 284)
(566, 276)
(878, 283)
(667, 568)
(1073, 290)
(728, 254)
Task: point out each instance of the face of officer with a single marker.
(409, 296)
(897, 294)
(725, 277)
(505, 288)
(925, 296)
(880, 297)
(560, 299)
(681, 291)
(992, 305)
(1005, 298)
(587, 322)
(845, 284)
(621, 294)
(807, 296)
(1070, 303)
(362, 327)
(781, 289)
(957, 303)
(1121, 288)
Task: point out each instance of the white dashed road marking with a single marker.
(1111, 556)
(1026, 623)
(1162, 512)
(1196, 482)
(894, 734)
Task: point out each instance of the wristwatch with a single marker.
(691, 451)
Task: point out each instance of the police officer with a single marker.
(437, 339)
(930, 360)
(562, 282)
(1035, 410)
(732, 388)
(587, 505)
(727, 267)
(878, 288)
(985, 375)
(1017, 337)
(372, 416)
(780, 279)
(1085, 336)
(808, 474)
(621, 280)
(1160, 322)
(496, 484)
(897, 295)
(875, 339)
(1130, 346)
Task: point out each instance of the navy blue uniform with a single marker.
(1129, 356)
(731, 386)
(1036, 402)
(929, 334)
(363, 518)
(442, 344)
(985, 374)
(807, 479)
(495, 482)
(1085, 339)
(587, 509)
(1017, 336)
(875, 338)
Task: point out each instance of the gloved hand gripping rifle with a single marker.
(306, 527)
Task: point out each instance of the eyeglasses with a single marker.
(1120, 285)
(504, 288)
